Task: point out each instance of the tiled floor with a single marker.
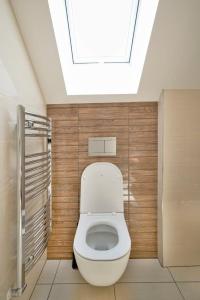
(144, 279)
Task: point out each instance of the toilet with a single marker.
(102, 243)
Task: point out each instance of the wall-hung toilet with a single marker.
(102, 243)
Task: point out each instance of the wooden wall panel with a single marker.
(135, 126)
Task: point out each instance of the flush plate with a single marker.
(102, 146)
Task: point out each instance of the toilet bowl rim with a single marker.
(114, 220)
(118, 222)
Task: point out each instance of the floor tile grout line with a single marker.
(169, 272)
(56, 271)
(176, 284)
(44, 284)
(36, 283)
(53, 279)
(185, 266)
(121, 282)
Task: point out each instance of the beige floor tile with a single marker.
(186, 273)
(48, 272)
(66, 274)
(147, 291)
(41, 292)
(145, 270)
(190, 290)
(81, 292)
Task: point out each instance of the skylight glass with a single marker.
(102, 44)
(101, 31)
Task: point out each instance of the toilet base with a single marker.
(101, 273)
(74, 264)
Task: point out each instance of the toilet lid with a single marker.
(101, 189)
(115, 220)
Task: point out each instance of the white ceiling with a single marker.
(172, 60)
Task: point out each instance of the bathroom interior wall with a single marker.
(179, 164)
(18, 85)
(135, 126)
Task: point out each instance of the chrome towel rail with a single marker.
(36, 217)
(39, 179)
(47, 169)
(43, 182)
(36, 122)
(39, 191)
(38, 128)
(38, 154)
(34, 182)
(37, 167)
(38, 116)
(36, 161)
(37, 135)
(37, 254)
(36, 194)
(35, 226)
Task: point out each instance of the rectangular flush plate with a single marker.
(102, 146)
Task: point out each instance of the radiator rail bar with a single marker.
(33, 180)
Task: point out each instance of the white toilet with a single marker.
(102, 243)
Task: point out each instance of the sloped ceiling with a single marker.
(172, 62)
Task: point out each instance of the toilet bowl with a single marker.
(102, 243)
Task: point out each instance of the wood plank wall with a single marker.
(135, 126)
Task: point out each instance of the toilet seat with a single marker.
(115, 220)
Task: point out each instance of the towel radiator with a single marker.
(33, 192)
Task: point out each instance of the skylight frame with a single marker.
(103, 79)
(105, 62)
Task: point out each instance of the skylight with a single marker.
(101, 30)
(102, 44)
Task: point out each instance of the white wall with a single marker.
(179, 185)
(18, 85)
